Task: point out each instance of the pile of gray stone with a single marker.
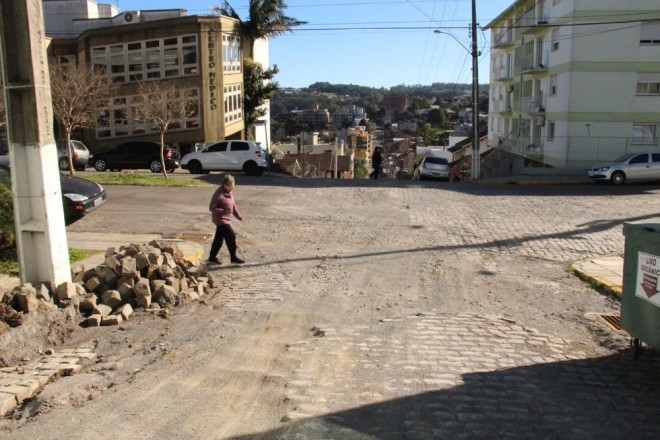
(153, 276)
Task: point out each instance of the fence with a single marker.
(575, 151)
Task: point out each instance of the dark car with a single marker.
(79, 196)
(136, 155)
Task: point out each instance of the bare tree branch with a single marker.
(77, 93)
(161, 104)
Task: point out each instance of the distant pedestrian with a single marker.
(376, 162)
(454, 174)
(223, 207)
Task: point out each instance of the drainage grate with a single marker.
(194, 236)
(612, 321)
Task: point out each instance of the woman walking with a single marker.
(222, 208)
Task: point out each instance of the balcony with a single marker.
(533, 105)
(502, 73)
(535, 20)
(535, 63)
(504, 38)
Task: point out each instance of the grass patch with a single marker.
(9, 258)
(140, 180)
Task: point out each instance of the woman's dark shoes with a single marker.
(213, 260)
(237, 260)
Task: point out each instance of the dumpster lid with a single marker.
(639, 226)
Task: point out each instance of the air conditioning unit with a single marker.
(540, 121)
(131, 16)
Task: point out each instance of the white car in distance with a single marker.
(228, 155)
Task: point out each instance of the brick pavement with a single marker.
(435, 376)
(440, 376)
(23, 382)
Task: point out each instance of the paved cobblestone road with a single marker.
(409, 335)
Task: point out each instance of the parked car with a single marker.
(79, 196)
(79, 155)
(633, 167)
(431, 167)
(233, 155)
(136, 155)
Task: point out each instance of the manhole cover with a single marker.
(612, 321)
(194, 236)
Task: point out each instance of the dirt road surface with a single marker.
(379, 310)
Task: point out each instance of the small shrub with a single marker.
(7, 226)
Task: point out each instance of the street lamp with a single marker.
(475, 91)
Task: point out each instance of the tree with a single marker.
(258, 89)
(266, 19)
(77, 94)
(161, 104)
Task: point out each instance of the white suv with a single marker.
(246, 156)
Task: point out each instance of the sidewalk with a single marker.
(604, 272)
(93, 241)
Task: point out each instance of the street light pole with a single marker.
(476, 162)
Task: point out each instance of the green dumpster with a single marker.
(640, 301)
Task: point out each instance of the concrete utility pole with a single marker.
(476, 158)
(40, 230)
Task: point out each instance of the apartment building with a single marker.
(352, 113)
(202, 54)
(315, 117)
(395, 102)
(573, 82)
(359, 140)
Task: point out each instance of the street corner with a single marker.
(604, 273)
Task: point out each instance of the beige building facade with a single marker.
(201, 54)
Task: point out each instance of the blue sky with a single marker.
(342, 45)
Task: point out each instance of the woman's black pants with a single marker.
(223, 233)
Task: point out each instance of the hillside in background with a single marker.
(334, 96)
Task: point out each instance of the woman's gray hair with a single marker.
(228, 179)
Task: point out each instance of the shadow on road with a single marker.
(612, 397)
(580, 233)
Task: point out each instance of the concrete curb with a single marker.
(605, 273)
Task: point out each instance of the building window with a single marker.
(644, 134)
(648, 84)
(648, 88)
(553, 85)
(150, 59)
(650, 33)
(233, 103)
(551, 130)
(231, 53)
(120, 118)
(554, 40)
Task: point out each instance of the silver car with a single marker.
(431, 167)
(79, 155)
(633, 167)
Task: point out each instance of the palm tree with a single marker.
(266, 19)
